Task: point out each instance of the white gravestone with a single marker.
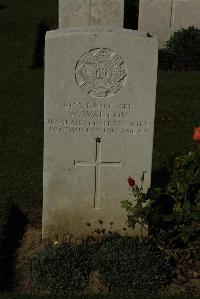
(154, 16)
(164, 17)
(77, 13)
(185, 13)
(100, 90)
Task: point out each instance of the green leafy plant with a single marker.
(182, 51)
(62, 267)
(171, 216)
(126, 264)
(136, 209)
(172, 213)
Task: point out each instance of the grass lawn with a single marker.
(21, 98)
(15, 296)
(177, 112)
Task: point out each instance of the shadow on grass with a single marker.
(14, 232)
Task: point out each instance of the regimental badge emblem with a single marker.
(101, 72)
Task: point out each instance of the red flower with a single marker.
(196, 135)
(131, 181)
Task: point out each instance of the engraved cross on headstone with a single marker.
(97, 164)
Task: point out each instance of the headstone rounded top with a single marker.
(101, 72)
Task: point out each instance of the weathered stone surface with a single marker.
(163, 17)
(154, 16)
(77, 13)
(185, 13)
(74, 13)
(107, 13)
(99, 123)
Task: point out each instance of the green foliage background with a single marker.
(182, 50)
